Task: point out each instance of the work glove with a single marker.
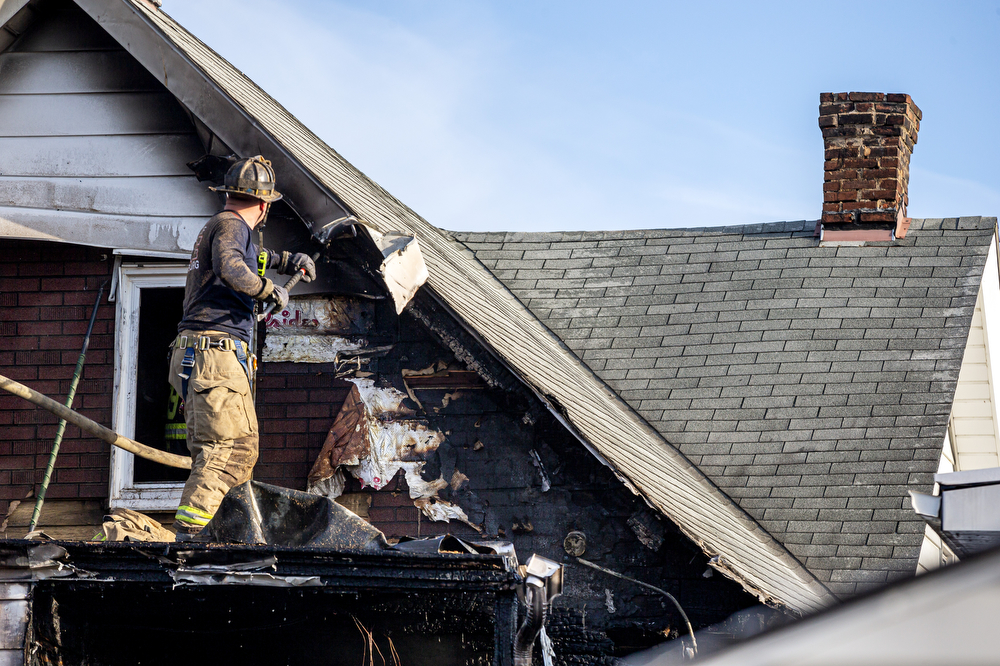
(292, 263)
(278, 296)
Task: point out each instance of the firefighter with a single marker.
(211, 366)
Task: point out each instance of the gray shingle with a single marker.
(812, 384)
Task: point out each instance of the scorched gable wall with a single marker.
(48, 290)
(491, 428)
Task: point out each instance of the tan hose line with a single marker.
(94, 428)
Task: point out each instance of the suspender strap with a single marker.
(241, 356)
(185, 374)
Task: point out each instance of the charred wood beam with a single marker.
(443, 325)
(124, 562)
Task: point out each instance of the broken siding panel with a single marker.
(374, 437)
(313, 330)
(657, 470)
(322, 315)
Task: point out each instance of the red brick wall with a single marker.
(47, 291)
(296, 405)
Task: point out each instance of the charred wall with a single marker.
(513, 469)
(517, 473)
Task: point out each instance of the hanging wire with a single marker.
(694, 641)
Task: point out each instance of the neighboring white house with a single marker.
(973, 439)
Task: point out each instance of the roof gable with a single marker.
(811, 384)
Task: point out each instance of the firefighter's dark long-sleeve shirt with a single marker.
(222, 279)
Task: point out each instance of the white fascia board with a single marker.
(990, 290)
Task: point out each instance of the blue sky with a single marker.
(568, 115)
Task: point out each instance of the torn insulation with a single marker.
(374, 436)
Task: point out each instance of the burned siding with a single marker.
(513, 469)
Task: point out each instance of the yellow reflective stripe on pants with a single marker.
(192, 516)
(176, 431)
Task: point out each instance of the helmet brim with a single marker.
(269, 198)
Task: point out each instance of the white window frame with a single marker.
(124, 492)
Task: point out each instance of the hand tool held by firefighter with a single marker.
(94, 428)
(326, 235)
(295, 279)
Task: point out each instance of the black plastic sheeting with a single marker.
(258, 513)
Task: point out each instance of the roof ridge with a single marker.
(792, 226)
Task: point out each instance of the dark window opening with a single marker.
(159, 312)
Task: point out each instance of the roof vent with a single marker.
(868, 138)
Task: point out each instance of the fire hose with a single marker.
(92, 427)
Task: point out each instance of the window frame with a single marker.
(124, 491)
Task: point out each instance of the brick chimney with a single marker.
(868, 138)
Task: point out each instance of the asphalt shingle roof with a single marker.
(812, 384)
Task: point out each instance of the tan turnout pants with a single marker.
(221, 430)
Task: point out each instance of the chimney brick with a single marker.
(868, 139)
